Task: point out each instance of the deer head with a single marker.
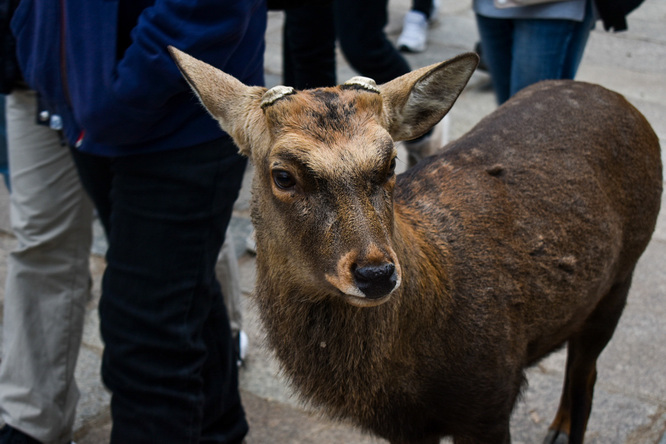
(324, 168)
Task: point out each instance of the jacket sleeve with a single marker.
(146, 87)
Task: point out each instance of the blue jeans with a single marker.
(168, 358)
(520, 52)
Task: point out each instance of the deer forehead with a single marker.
(330, 132)
(343, 159)
(324, 112)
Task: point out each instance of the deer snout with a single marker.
(375, 281)
(367, 279)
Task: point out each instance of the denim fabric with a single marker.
(168, 358)
(520, 52)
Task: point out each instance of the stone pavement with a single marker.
(630, 399)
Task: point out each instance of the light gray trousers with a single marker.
(48, 278)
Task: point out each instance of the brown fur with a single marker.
(520, 237)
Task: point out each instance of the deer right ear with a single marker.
(236, 106)
(416, 101)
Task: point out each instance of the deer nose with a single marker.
(376, 281)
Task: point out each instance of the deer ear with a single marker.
(233, 104)
(416, 101)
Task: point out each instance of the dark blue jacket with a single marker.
(122, 94)
(9, 72)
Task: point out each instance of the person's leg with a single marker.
(48, 278)
(423, 6)
(547, 49)
(578, 42)
(168, 357)
(414, 35)
(308, 47)
(496, 43)
(360, 30)
(539, 51)
(229, 276)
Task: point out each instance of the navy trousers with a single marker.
(168, 359)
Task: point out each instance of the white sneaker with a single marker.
(414, 32)
(427, 146)
(242, 347)
(243, 343)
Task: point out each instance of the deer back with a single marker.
(543, 206)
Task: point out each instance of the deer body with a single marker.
(412, 305)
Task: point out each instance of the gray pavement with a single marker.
(630, 399)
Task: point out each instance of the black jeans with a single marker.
(309, 43)
(424, 6)
(168, 356)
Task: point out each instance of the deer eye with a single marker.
(391, 170)
(283, 179)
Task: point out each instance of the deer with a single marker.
(412, 304)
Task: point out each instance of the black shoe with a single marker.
(9, 435)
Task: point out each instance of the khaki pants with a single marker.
(48, 279)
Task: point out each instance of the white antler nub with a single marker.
(276, 93)
(364, 82)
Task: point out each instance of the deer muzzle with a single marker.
(375, 281)
(366, 281)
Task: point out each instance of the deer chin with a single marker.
(364, 302)
(354, 296)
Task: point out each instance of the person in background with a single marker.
(48, 277)
(414, 35)
(163, 178)
(310, 34)
(48, 281)
(228, 275)
(525, 41)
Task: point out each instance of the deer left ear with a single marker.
(416, 101)
(236, 106)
